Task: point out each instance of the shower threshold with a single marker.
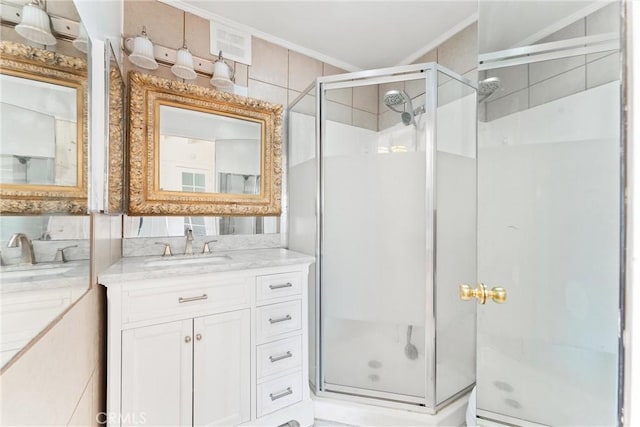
(352, 409)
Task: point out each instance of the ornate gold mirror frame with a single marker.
(28, 62)
(115, 201)
(146, 95)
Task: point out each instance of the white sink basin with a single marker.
(188, 260)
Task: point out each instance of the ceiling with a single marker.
(354, 35)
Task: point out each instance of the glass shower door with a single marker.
(549, 226)
(374, 247)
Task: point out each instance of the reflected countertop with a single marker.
(155, 267)
(16, 279)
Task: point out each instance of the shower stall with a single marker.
(382, 190)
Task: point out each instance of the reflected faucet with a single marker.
(188, 247)
(21, 239)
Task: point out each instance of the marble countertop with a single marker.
(155, 267)
(44, 276)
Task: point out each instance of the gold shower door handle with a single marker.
(497, 294)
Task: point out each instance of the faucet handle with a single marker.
(167, 248)
(205, 248)
(60, 254)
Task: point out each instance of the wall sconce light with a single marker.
(35, 25)
(142, 54)
(222, 77)
(183, 67)
(82, 42)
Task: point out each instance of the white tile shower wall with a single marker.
(525, 86)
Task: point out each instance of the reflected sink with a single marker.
(188, 260)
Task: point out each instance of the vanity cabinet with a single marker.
(214, 345)
(199, 364)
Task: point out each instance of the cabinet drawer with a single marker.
(157, 302)
(277, 286)
(277, 319)
(279, 356)
(279, 393)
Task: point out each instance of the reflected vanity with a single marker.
(44, 229)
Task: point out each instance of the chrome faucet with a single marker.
(21, 239)
(188, 247)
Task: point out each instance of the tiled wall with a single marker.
(280, 75)
(459, 54)
(526, 86)
(276, 74)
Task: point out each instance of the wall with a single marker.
(276, 74)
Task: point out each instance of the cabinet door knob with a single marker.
(187, 339)
(198, 337)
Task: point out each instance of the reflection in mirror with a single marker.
(153, 226)
(39, 132)
(43, 150)
(208, 153)
(41, 275)
(44, 260)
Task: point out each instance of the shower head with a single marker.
(395, 98)
(487, 87)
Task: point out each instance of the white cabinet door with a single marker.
(221, 369)
(156, 374)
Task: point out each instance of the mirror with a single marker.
(201, 152)
(44, 258)
(43, 150)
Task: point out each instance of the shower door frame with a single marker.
(428, 72)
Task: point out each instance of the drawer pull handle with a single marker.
(280, 319)
(281, 357)
(181, 300)
(276, 396)
(283, 285)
